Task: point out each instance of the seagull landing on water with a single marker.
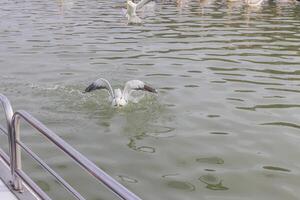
(131, 11)
(117, 96)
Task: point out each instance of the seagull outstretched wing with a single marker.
(136, 85)
(142, 3)
(100, 83)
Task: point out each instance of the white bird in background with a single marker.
(131, 11)
(117, 96)
(254, 2)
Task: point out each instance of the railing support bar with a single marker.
(66, 185)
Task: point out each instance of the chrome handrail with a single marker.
(3, 155)
(15, 145)
(81, 160)
(16, 154)
(8, 111)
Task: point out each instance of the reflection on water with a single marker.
(271, 106)
(132, 144)
(153, 131)
(179, 185)
(282, 124)
(212, 182)
(228, 78)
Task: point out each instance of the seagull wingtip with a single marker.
(150, 89)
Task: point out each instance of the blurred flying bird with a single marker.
(131, 11)
(253, 2)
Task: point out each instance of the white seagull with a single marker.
(117, 96)
(131, 11)
(254, 2)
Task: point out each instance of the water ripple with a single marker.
(212, 182)
(284, 124)
(276, 168)
(251, 82)
(181, 185)
(270, 106)
(210, 160)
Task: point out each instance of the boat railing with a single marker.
(8, 111)
(18, 176)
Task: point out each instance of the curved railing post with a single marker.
(14, 150)
(16, 154)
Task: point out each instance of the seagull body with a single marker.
(131, 11)
(117, 96)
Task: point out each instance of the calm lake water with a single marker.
(224, 125)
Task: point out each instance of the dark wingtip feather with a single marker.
(89, 88)
(150, 89)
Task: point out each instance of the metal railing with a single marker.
(16, 145)
(8, 111)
